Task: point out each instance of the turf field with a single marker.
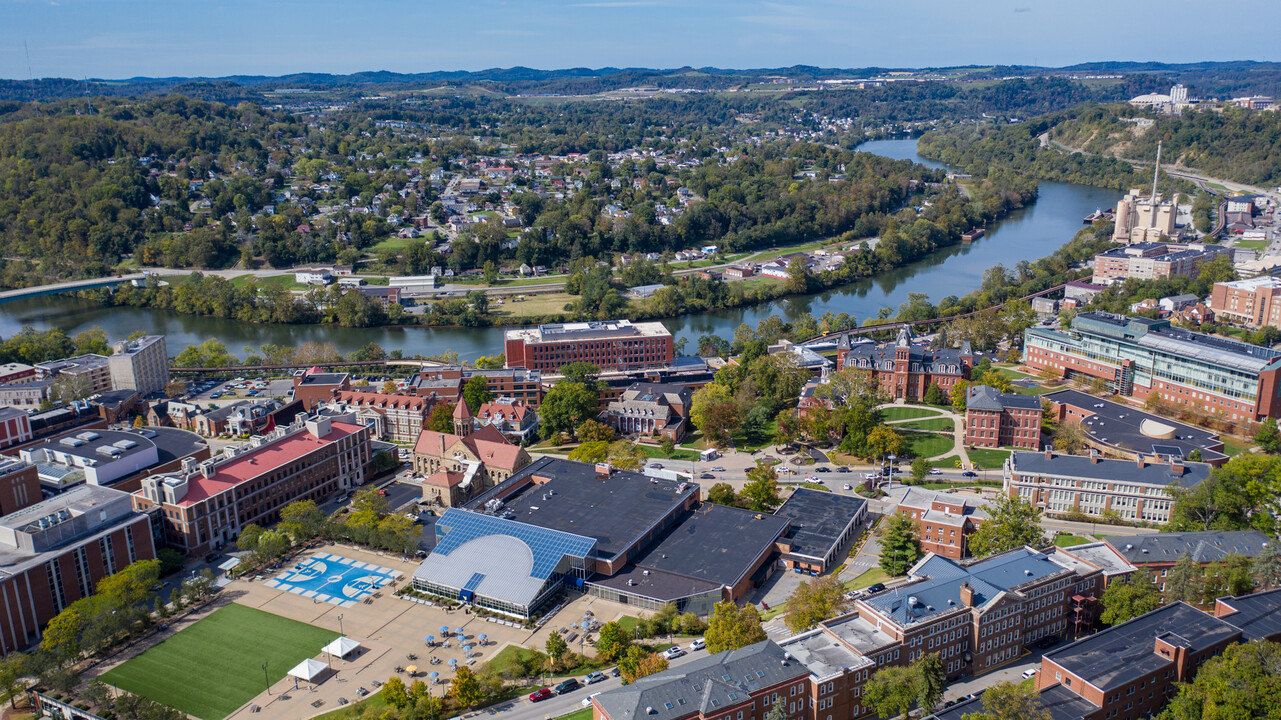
(215, 666)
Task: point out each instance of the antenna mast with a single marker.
(1156, 170)
(31, 78)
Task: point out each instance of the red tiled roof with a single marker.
(461, 411)
(444, 478)
(487, 444)
(508, 410)
(261, 460)
(375, 399)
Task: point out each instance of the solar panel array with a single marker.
(457, 527)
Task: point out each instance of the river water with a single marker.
(1026, 234)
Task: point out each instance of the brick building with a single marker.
(456, 468)
(517, 422)
(1158, 552)
(944, 521)
(1154, 260)
(404, 416)
(316, 386)
(611, 345)
(93, 371)
(15, 427)
(19, 485)
(446, 382)
(1134, 489)
(906, 370)
(650, 409)
(1138, 357)
(995, 419)
(205, 505)
(1253, 302)
(54, 552)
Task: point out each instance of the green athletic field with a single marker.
(215, 666)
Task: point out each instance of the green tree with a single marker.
(441, 418)
(814, 601)
(921, 469)
(476, 392)
(777, 711)
(714, 412)
(590, 452)
(638, 663)
(798, 276)
(1185, 581)
(1127, 599)
(626, 455)
(565, 407)
(960, 390)
(722, 493)
(491, 362)
(1267, 436)
(884, 441)
(934, 395)
(668, 446)
(731, 627)
(761, 489)
(1012, 523)
(891, 691)
(303, 520)
(13, 667)
(612, 641)
(556, 647)
(1242, 682)
(1227, 498)
(580, 372)
(931, 681)
(1007, 700)
(1266, 567)
(591, 430)
(395, 694)
(92, 342)
(465, 688)
(900, 544)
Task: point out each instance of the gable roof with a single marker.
(487, 444)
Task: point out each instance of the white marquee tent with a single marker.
(308, 670)
(341, 647)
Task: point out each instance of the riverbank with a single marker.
(1025, 234)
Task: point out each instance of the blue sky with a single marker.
(158, 38)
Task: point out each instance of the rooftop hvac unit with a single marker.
(71, 442)
(88, 436)
(124, 444)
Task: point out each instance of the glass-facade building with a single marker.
(1138, 357)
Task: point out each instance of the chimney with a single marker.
(967, 594)
(603, 470)
(1176, 466)
(1138, 459)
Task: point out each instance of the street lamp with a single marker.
(340, 632)
(265, 678)
(892, 458)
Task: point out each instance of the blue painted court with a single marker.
(333, 579)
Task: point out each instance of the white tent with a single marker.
(308, 670)
(341, 646)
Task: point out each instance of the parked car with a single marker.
(698, 644)
(1029, 673)
(540, 694)
(587, 701)
(616, 673)
(569, 685)
(847, 486)
(595, 677)
(876, 588)
(673, 652)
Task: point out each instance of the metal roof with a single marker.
(1203, 547)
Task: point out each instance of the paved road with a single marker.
(523, 709)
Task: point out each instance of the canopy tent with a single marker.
(341, 646)
(308, 670)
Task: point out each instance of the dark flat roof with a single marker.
(715, 543)
(1125, 652)
(1258, 615)
(616, 510)
(172, 443)
(818, 519)
(1118, 425)
(656, 584)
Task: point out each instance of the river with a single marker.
(1026, 234)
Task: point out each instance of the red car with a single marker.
(540, 694)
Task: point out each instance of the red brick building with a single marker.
(1253, 302)
(904, 370)
(54, 552)
(19, 485)
(316, 386)
(404, 416)
(611, 345)
(944, 521)
(995, 419)
(207, 504)
(446, 382)
(15, 427)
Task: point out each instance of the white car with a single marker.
(935, 471)
(673, 652)
(698, 644)
(812, 478)
(871, 476)
(587, 701)
(847, 486)
(1029, 673)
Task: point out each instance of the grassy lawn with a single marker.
(1011, 373)
(907, 413)
(396, 243)
(946, 463)
(285, 281)
(926, 424)
(919, 444)
(695, 442)
(1038, 390)
(356, 709)
(655, 452)
(970, 482)
(215, 666)
(1233, 447)
(741, 443)
(1070, 540)
(505, 659)
(987, 458)
(548, 304)
(1252, 244)
(871, 577)
(584, 714)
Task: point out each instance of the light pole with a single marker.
(265, 678)
(892, 457)
(340, 632)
